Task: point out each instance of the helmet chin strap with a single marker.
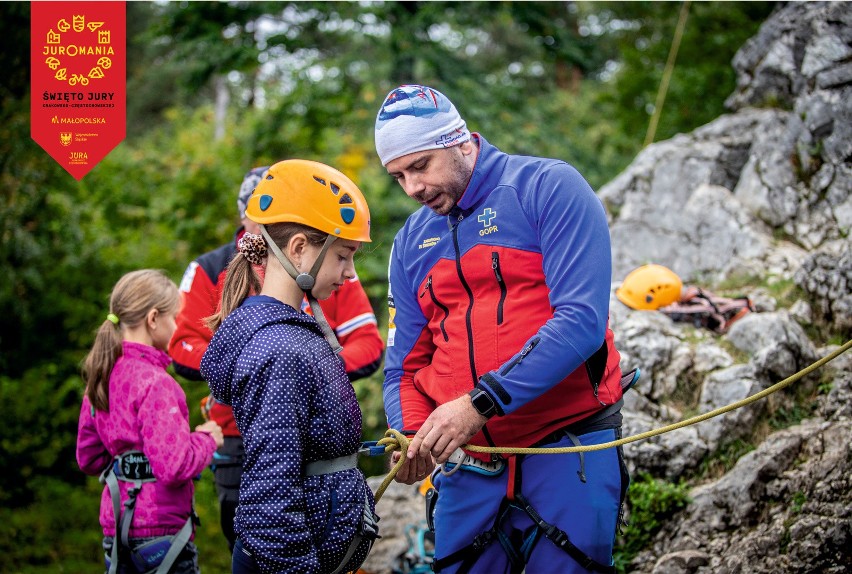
(306, 282)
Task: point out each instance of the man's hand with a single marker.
(412, 470)
(448, 427)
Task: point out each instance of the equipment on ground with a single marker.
(649, 287)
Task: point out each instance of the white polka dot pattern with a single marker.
(293, 404)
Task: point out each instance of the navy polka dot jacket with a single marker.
(293, 404)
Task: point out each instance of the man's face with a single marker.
(435, 178)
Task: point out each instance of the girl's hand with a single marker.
(412, 470)
(213, 429)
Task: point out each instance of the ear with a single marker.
(151, 318)
(296, 247)
(467, 148)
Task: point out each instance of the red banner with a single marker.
(79, 81)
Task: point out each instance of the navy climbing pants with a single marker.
(588, 511)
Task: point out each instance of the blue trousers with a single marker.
(588, 511)
(243, 562)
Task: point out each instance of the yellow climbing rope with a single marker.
(395, 440)
(667, 75)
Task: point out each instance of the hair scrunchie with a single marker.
(252, 247)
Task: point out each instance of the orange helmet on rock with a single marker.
(649, 287)
(313, 194)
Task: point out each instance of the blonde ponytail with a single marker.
(133, 296)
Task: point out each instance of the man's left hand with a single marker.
(449, 426)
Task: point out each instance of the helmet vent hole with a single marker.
(345, 199)
(319, 179)
(335, 189)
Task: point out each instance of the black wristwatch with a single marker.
(482, 402)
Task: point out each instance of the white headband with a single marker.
(416, 118)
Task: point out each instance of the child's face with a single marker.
(337, 268)
(166, 326)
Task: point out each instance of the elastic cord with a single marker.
(327, 332)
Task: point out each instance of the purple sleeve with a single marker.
(92, 455)
(176, 454)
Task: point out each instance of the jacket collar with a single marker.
(486, 173)
(145, 353)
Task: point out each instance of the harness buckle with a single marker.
(555, 535)
(481, 541)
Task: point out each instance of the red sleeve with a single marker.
(349, 313)
(200, 299)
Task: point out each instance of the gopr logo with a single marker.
(485, 218)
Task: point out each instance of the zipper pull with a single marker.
(427, 286)
(495, 266)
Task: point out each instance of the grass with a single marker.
(651, 502)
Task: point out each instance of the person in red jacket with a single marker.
(347, 311)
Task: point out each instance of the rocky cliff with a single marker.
(760, 199)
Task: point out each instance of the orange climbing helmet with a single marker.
(313, 194)
(649, 287)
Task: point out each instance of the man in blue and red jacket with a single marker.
(347, 311)
(498, 336)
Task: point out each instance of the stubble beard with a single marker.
(455, 187)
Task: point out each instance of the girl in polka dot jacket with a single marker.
(304, 506)
(132, 404)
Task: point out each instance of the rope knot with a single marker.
(393, 440)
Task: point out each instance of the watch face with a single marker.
(482, 403)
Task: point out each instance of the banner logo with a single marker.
(78, 55)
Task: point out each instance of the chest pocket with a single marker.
(442, 311)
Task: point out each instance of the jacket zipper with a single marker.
(438, 304)
(467, 318)
(495, 265)
(520, 357)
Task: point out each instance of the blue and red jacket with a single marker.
(510, 290)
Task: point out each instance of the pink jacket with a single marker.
(147, 412)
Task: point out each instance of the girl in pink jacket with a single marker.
(134, 431)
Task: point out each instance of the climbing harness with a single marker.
(161, 552)
(368, 530)
(461, 460)
(704, 309)
(516, 545)
(518, 553)
(418, 558)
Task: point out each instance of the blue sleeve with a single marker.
(575, 246)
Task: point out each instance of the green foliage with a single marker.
(57, 531)
(650, 502)
(723, 460)
(641, 33)
(37, 438)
